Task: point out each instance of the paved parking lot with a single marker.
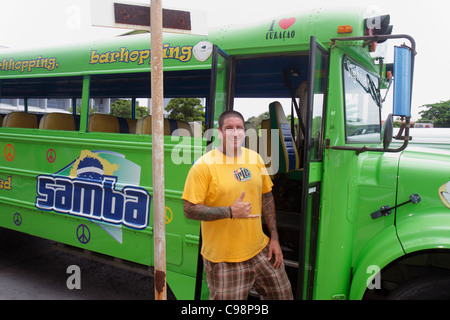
(33, 269)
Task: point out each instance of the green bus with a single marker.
(358, 218)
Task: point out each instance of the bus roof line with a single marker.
(377, 38)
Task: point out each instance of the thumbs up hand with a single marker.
(241, 209)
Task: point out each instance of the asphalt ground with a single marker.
(32, 268)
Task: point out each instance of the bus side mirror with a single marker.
(388, 132)
(402, 81)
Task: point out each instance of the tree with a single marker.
(437, 113)
(122, 108)
(186, 109)
(257, 120)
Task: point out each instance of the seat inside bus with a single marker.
(99, 122)
(21, 120)
(60, 121)
(289, 161)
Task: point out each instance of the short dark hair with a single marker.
(230, 114)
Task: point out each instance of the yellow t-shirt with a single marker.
(217, 180)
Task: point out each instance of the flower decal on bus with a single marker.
(101, 186)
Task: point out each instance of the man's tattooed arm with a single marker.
(238, 210)
(268, 210)
(205, 213)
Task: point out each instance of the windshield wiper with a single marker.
(374, 93)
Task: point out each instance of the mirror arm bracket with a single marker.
(406, 138)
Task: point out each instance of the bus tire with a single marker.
(429, 287)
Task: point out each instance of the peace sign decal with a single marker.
(83, 234)
(17, 219)
(169, 215)
(9, 152)
(51, 155)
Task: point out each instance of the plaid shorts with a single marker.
(234, 280)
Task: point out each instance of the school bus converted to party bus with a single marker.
(358, 217)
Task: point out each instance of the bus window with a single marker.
(112, 110)
(319, 101)
(362, 105)
(41, 105)
(28, 103)
(8, 105)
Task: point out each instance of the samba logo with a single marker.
(100, 186)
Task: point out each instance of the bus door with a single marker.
(220, 94)
(312, 173)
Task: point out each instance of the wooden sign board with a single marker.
(115, 14)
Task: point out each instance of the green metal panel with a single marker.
(118, 55)
(378, 253)
(425, 225)
(131, 157)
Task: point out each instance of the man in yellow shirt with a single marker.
(228, 189)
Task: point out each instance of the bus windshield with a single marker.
(362, 104)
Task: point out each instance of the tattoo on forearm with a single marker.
(268, 210)
(205, 213)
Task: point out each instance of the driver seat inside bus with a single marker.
(289, 161)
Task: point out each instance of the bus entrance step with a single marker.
(290, 263)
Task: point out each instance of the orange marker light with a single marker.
(345, 29)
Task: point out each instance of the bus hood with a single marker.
(423, 171)
(426, 172)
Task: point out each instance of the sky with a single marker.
(34, 23)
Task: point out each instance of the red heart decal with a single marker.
(286, 23)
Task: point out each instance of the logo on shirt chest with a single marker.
(242, 174)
